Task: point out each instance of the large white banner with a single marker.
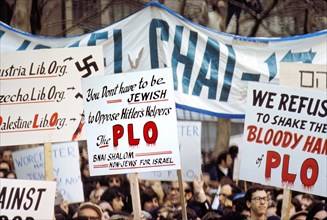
(41, 94)
(189, 136)
(29, 165)
(304, 75)
(26, 199)
(211, 70)
(131, 122)
(285, 143)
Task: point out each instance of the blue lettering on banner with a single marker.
(209, 63)
(305, 57)
(96, 36)
(272, 66)
(210, 57)
(187, 60)
(163, 25)
(231, 60)
(118, 51)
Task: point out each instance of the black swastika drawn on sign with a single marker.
(87, 66)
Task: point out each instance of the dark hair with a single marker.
(295, 202)
(222, 157)
(308, 196)
(239, 204)
(251, 190)
(233, 216)
(314, 208)
(111, 193)
(211, 216)
(9, 165)
(233, 151)
(147, 195)
(191, 214)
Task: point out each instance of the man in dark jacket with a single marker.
(222, 167)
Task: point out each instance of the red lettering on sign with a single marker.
(150, 126)
(117, 133)
(131, 140)
(312, 164)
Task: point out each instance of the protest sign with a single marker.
(189, 136)
(304, 75)
(285, 142)
(26, 200)
(40, 96)
(131, 122)
(300, 75)
(29, 164)
(211, 69)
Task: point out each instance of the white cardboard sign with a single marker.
(304, 75)
(29, 164)
(285, 142)
(26, 199)
(189, 135)
(41, 96)
(131, 122)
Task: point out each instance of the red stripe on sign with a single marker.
(153, 153)
(103, 146)
(113, 101)
(101, 166)
(125, 168)
(161, 100)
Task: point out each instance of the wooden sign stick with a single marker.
(286, 205)
(48, 161)
(182, 193)
(135, 191)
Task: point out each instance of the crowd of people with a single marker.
(213, 195)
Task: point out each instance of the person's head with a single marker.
(164, 212)
(233, 151)
(301, 215)
(233, 216)
(225, 192)
(306, 201)
(5, 165)
(156, 185)
(224, 160)
(11, 175)
(89, 211)
(149, 199)
(238, 202)
(212, 215)
(114, 197)
(174, 193)
(96, 194)
(191, 214)
(85, 170)
(317, 211)
(7, 155)
(256, 200)
(114, 180)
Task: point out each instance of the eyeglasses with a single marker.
(259, 199)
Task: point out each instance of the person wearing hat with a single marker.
(87, 211)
